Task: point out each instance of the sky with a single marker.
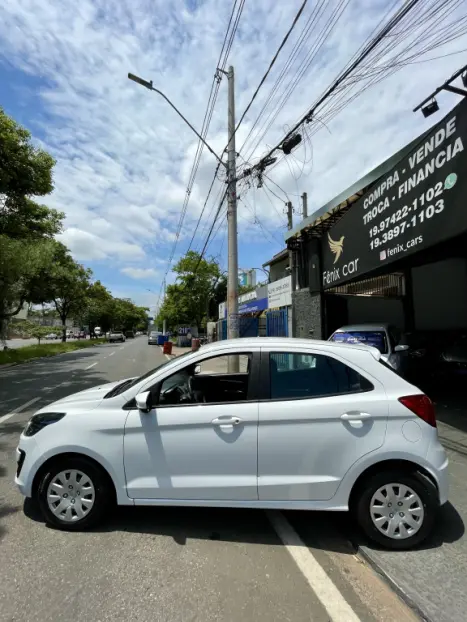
(124, 157)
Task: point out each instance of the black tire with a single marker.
(104, 494)
(415, 480)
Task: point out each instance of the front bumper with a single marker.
(28, 456)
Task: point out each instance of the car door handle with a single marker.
(355, 416)
(226, 421)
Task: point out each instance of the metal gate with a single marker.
(247, 327)
(277, 323)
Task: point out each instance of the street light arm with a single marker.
(150, 87)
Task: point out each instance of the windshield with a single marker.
(375, 338)
(127, 384)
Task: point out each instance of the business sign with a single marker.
(280, 293)
(222, 310)
(254, 306)
(248, 296)
(421, 202)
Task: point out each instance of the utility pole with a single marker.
(291, 252)
(232, 279)
(305, 205)
(289, 215)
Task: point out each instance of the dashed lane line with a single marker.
(19, 409)
(89, 366)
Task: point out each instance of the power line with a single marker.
(410, 4)
(225, 51)
(273, 61)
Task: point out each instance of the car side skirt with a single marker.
(265, 505)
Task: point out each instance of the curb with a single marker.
(376, 566)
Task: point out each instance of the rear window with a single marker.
(374, 338)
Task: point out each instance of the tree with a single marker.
(128, 316)
(26, 228)
(21, 263)
(31, 329)
(66, 284)
(187, 301)
(25, 170)
(98, 307)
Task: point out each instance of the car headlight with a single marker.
(40, 421)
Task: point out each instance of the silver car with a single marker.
(384, 337)
(116, 335)
(152, 337)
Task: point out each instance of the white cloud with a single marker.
(139, 273)
(87, 246)
(124, 157)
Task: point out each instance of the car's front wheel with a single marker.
(74, 493)
(397, 509)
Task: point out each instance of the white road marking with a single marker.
(332, 600)
(89, 366)
(112, 353)
(16, 411)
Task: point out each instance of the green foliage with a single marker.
(31, 329)
(22, 355)
(21, 264)
(25, 170)
(188, 300)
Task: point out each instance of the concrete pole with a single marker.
(232, 276)
(232, 281)
(305, 205)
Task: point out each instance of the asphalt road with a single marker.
(168, 563)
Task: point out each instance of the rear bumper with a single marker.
(439, 463)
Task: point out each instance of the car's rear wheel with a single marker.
(397, 509)
(74, 494)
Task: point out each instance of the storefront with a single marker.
(279, 304)
(396, 250)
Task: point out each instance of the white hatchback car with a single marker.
(253, 423)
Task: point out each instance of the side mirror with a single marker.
(401, 348)
(197, 369)
(143, 401)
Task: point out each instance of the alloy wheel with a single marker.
(71, 495)
(397, 511)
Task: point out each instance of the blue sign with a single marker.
(253, 306)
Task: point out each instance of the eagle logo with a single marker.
(336, 247)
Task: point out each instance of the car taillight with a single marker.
(422, 406)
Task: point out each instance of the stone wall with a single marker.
(307, 309)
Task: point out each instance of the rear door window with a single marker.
(294, 376)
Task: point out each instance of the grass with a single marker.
(21, 355)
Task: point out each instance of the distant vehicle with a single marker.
(98, 331)
(303, 424)
(384, 337)
(69, 334)
(116, 335)
(130, 334)
(82, 334)
(152, 337)
(51, 336)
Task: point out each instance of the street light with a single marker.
(149, 86)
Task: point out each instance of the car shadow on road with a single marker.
(328, 531)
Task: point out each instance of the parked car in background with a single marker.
(152, 337)
(51, 336)
(98, 331)
(69, 334)
(130, 334)
(304, 424)
(384, 337)
(116, 335)
(81, 334)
